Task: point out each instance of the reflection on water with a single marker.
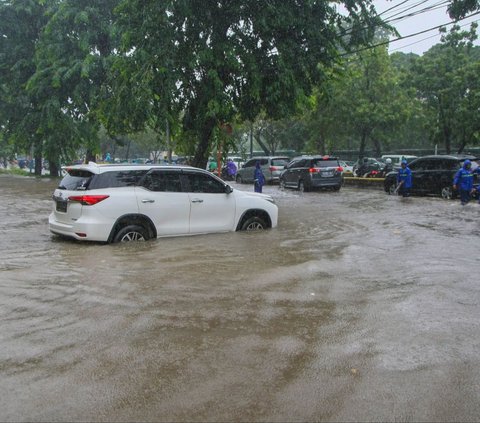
(298, 323)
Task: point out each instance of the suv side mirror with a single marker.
(228, 189)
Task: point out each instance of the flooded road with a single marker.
(359, 306)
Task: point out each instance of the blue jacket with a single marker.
(463, 179)
(258, 176)
(405, 176)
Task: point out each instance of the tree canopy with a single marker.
(174, 74)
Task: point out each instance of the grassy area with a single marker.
(16, 171)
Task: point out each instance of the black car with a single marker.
(308, 172)
(430, 175)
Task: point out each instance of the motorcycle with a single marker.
(226, 175)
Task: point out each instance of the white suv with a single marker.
(117, 203)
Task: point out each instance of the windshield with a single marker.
(279, 162)
(325, 163)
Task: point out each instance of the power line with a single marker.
(430, 8)
(394, 7)
(431, 36)
(392, 18)
(409, 36)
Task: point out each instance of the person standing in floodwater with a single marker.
(463, 181)
(258, 178)
(404, 180)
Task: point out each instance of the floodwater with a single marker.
(358, 307)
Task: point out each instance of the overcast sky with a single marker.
(429, 13)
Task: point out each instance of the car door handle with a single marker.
(197, 200)
(148, 201)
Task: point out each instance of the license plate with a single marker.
(326, 174)
(61, 206)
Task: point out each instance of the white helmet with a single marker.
(388, 161)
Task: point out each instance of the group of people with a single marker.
(462, 181)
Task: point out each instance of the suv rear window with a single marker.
(117, 179)
(80, 179)
(279, 162)
(324, 163)
(76, 179)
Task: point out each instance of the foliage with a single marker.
(447, 81)
(460, 8)
(135, 76)
(229, 59)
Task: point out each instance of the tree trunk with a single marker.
(447, 139)
(378, 147)
(54, 170)
(90, 157)
(38, 164)
(127, 154)
(363, 142)
(463, 143)
(200, 158)
(320, 144)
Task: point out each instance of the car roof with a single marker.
(268, 157)
(316, 156)
(108, 167)
(398, 155)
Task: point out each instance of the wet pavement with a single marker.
(358, 307)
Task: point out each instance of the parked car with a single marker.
(347, 167)
(309, 172)
(117, 203)
(430, 175)
(271, 166)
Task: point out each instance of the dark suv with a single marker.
(430, 175)
(308, 172)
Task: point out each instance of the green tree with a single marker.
(73, 61)
(460, 8)
(211, 62)
(21, 24)
(364, 102)
(447, 80)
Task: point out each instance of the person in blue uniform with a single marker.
(463, 182)
(404, 179)
(259, 178)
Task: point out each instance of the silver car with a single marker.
(272, 167)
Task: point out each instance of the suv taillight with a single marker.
(88, 200)
(339, 169)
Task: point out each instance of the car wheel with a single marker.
(131, 233)
(254, 224)
(447, 193)
(392, 189)
(281, 184)
(239, 179)
(302, 187)
(336, 188)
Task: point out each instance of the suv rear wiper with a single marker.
(62, 187)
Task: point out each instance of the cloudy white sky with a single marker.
(427, 14)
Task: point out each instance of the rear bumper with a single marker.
(326, 182)
(80, 230)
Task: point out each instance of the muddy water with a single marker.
(359, 306)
